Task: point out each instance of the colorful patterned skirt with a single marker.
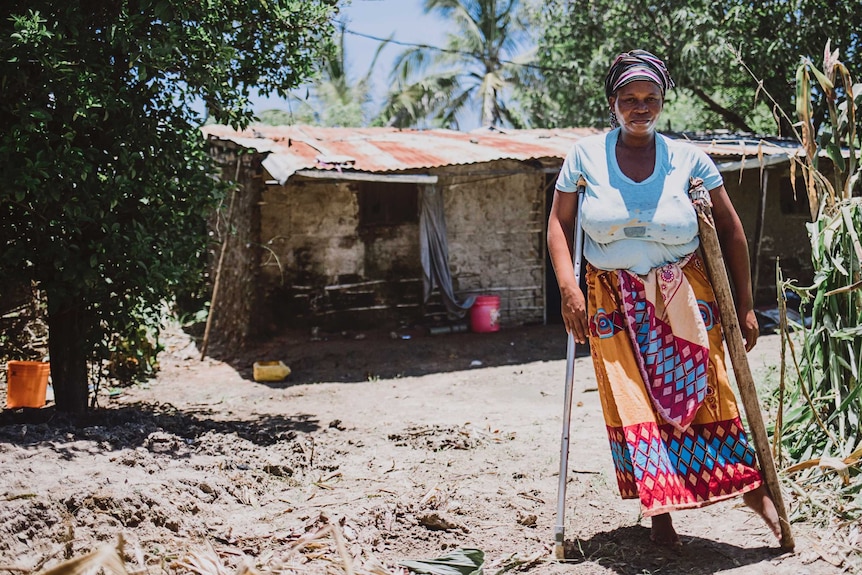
(676, 437)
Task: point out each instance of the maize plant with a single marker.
(818, 427)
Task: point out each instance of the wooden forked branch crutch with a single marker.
(711, 250)
(559, 528)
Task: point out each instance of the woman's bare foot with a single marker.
(760, 502)
(663, 533)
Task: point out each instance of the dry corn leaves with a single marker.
(320, 542)
(440, 437)
(837, 464)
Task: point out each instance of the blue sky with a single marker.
(404, 19)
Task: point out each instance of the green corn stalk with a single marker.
(839, 141)
(820, 412)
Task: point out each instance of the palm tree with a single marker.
(332, 99)
(478, 69)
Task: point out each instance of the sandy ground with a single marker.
(401, 446)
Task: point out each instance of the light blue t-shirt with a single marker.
(630, 225)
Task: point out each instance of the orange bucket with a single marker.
(26, 383)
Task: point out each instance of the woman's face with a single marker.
(637, 105)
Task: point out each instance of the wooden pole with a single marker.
(217, 279)
(758, 233)
(739, 359)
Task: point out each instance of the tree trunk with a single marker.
(727, 115)
(67, 336)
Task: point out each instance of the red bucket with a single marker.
(485, 314)
(26, 383)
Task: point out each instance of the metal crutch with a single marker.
(559, 528)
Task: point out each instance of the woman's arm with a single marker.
(561, 225)
(734, 248)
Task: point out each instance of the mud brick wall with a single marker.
(784, 235)
(496, 221)
(321, 268)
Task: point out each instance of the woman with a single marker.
(676, 437)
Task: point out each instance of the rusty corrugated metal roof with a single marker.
(391, 150)
(722, 146)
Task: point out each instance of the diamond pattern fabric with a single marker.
(676, 438)
(673, 368)
(670, 469)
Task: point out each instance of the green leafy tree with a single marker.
(703, 43)
(106, 178)
(281, 117)
(478, 70)
(333, 98)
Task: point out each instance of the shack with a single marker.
(354, 228)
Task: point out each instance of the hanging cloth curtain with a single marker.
(435, 253)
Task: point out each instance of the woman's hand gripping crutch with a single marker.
(577, 254)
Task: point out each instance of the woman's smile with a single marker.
(638, 104)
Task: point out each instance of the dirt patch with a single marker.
(378, 447)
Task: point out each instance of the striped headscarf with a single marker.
(637, 65)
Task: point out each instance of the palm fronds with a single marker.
(475, 72)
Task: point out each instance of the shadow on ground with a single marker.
(133, 426)
(361, 356)
(629, 551)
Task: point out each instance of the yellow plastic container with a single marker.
(270, 371)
